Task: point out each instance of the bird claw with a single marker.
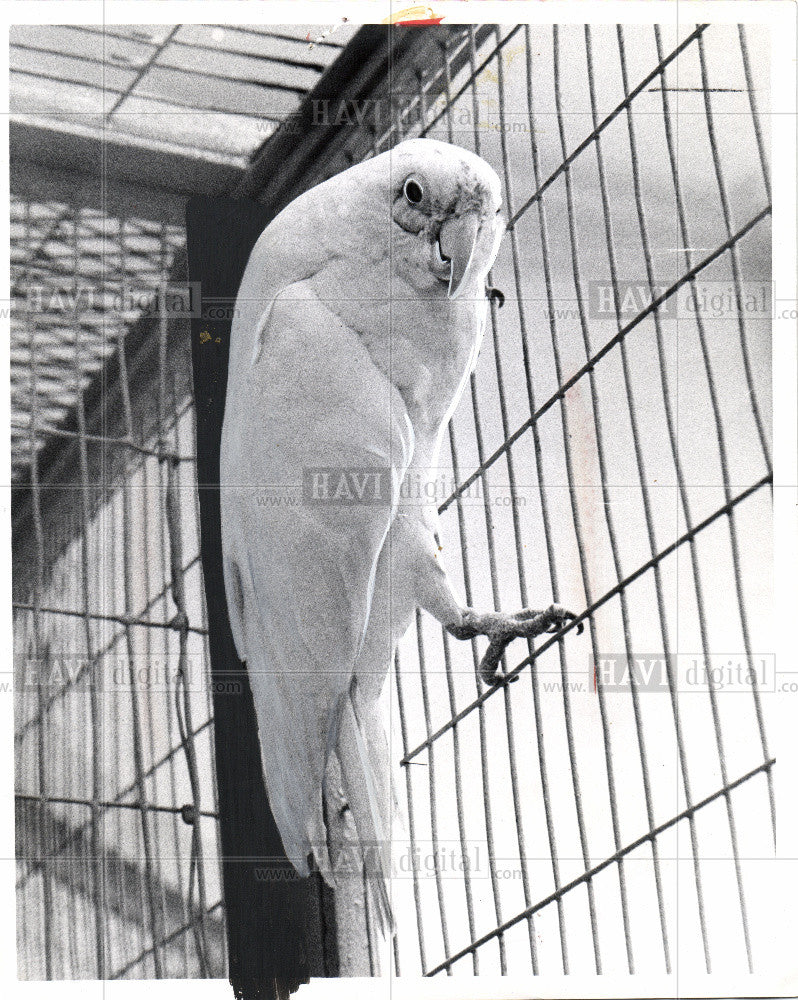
(501, 629)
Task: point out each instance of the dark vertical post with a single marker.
(280, 928)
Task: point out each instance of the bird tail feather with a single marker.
(367, 789)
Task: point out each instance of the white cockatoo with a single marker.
(357, 324)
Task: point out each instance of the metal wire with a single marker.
(96, 708)
(727, 248)
(598, 129)
(672, 440)
(106, 574)
(612, 859)
(649, 310)
(686, 538)
(117, 570)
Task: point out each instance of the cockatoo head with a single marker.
(446, 210)
(421, 222)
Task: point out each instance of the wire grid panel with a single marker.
(61, 256)
(612, 453)
(603, 830)
(116, 815)
(146, 82)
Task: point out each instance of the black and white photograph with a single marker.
(401, 498)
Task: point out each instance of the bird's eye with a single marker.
(414, 192)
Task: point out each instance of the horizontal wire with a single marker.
(68, 801)
(18, 736)
(652, 307)
(112, 442)
(614, 591)
(126, 620)
(78, 830)
(617, 856)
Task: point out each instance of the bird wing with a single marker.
(299, 572)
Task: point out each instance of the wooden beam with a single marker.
(280, 927)
(111, 164)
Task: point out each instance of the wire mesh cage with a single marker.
(114, 739)
(117, 838)
(620, 466)
(602, 808)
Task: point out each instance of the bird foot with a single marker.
(501, 629)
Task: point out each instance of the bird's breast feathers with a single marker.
(395, 251)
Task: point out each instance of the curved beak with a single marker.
(470, 247)
(458, 240)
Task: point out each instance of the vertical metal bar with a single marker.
(173, 820)
(581, 545)
(663, 369)
(172, 767)
(95, 679)
(702, 619)
(191, 414)
(735, 545)
(151, 866)
(43, 754)
(64, 584)
(422, 103)
(179, 594)
(546, 517)
(175, 418)
(101, 560)
(395, 949)
(162, 606)
(433, 802)
(135, 942)
(182, 691)
(173, 728)
(411, 819)
(749, 83)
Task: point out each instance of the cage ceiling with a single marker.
(215, 91)
(110, 129)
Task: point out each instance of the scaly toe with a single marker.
(489, 667)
